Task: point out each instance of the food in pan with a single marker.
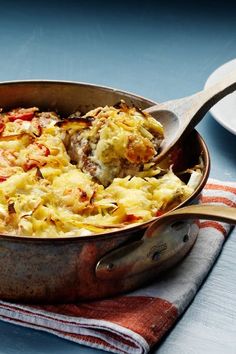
(85, 174)
(118, 141)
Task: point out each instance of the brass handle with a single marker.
(198, 211)
(164, 243)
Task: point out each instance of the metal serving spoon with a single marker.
(164, 243)
(180, 116)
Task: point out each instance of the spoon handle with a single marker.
(190, 110)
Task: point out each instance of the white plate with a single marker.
(225, 110)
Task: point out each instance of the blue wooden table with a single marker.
(154, 49)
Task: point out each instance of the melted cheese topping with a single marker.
(43, 194)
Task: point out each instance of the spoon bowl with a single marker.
(180, 116)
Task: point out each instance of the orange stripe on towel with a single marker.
(220, 188)
(215, 225)
(125, 311)
(222, 200)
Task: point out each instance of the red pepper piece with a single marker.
(3, 178)
(23, 116)
(44, 149)
(2, 127)
(131, 218)
(39, 130)
(31, 164)
(159, 213)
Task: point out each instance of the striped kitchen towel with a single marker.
(134, 323)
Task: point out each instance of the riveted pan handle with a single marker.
(164, 243)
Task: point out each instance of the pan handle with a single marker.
(164, 243)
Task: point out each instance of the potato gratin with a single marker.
(84, 174)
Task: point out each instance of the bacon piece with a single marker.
(39, 173)
(74, 123)
(11, 208)
(14, 136)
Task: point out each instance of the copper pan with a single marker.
(71, 269)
